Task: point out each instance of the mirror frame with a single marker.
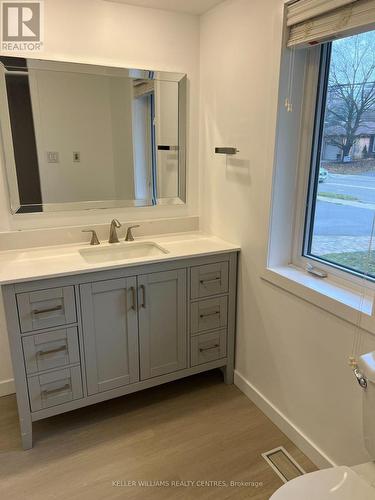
(7, 140)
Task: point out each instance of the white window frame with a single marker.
(342, 293)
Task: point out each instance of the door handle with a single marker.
(132, 291)
(143, 289)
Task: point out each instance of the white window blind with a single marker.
(303, 10)
(317, 21)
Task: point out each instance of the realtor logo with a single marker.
(21, 25)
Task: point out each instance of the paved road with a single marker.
(345, 220)
(361, 187)
(342, 220)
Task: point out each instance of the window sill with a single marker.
(347, 303)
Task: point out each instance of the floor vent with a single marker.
(283, 464)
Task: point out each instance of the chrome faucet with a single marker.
(113, 238)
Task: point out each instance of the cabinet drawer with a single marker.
(210, 279)
(55, 388)
(50, 350)
(208, 314)
(208, 347)
(46, 308)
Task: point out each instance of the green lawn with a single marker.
(338, 196)
(355, 260)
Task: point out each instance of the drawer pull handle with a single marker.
(51, 392)
(216, 313)
(52, 351)
(202, 349)
(51, 309)
(207, 282)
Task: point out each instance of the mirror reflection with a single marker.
(83, 136)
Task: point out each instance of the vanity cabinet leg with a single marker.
(26, 432)
(228, 374)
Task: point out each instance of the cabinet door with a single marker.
(109, 315)
(162, 322)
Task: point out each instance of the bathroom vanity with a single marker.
(86, 325)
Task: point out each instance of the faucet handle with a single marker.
(129, 235)
(94, 236)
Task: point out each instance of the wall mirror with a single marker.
(78, 136)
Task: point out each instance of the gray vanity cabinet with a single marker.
(162, 322)
(83, 338)
(110, 332)
(118, 312)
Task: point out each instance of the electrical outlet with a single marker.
(76, 156)
(53, 156)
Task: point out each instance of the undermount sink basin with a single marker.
(121, 251)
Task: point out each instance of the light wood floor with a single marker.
(196, 429)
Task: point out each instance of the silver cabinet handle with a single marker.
(202, 349)
(52, 351)
(50, 309)
(51, 392)
(208, 315)
(132, 290)
(143, 288)
(207, 282)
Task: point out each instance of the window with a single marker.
(323, 180)
(341, 195)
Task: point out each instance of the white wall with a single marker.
(73, 112)
(292, 353)
(166, 98)
(97, 32)
(142, 148)
(122, 136)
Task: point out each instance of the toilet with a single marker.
(342, 483)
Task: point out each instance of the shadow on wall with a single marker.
(247, 336)
(6, 372)
(236, 168)
(308, 364)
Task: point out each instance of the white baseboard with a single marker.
(7, 387)
(310, 449)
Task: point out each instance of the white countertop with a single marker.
(62, 260)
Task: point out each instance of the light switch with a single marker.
(76, 156)
(53, 156)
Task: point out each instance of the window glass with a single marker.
(342, 189)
